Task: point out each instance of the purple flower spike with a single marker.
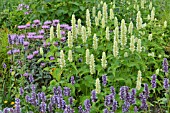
(166, 83)
(105, 110)
(48, 22)
(144, 105)
(4, 65)
(29, 57)
(80, 109)
(52, 58)
(56, 21)
(87, 105)
(153, 81)
(25, 43)
(104, 80)
(21, 91)
(41, 32)
(35, 53)
(165, 65)
(50, 107)
(146, 90)
(114, 106)
(70, 99)
(72, 80)
(93, 96)
(37, 22)
(112, 90)
(135, 109)
(43, 107)
(66, 91)
(132, 96)
(31, 79)
(125, 107)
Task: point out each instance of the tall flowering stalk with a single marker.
(130, 28)
(150, 37)
(103, 60)
(99, 15)
(88, 22)
(51, 33)
(138, 21)
(165, 65)
(62, 59)
(97, 21)
(70, 40)
(95, 42)
(142, 2)
(92, 64)
(115, 49)
(87, 56)
(139, 79)
(153, 14)
(153, 81)
(58, 31)
(132, 44)
(139, 48)
(111, 14)
(98, 87)
(70, 57)
(79, 26)
(166, 83)
(116, 34)
(105, 14)
(83, 36)
(165, 24)
(150, 5)
(107, 34)
(103, 23)
(41, 51)
(94, 11)
(73, 23)
(115, 22)
(123, 34)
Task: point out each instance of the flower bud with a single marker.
(92, 64)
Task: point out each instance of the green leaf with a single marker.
(57, 74)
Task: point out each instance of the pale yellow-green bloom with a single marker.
(96, 21)
(139, 80)
(165, 24)
(123, 33)
(150, 37)
(126, 54)
(130, 28)
(70, 40)
(84, 36)
(105, 14)
(103, 60)
(114, 4)
(62, 59)
(95, 42)
(94, 11)
(87, 56)
(142, 4)
(92, 64)
(111, 14)
(150, 5)
(132, 44)
(88, 20)
(138, 21)
(99, 14)
(148, 17)
(51, 33)
(115, 49)
(41, 51)
(115, 22)
(103, 23)
(79, 27)
(116, 34)
(107, 34)
(153, 14)
(139, 48)
(157, 72)
(70, 57)
(98, 87)
(89, 31)
(73, 23)
(58, 31)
